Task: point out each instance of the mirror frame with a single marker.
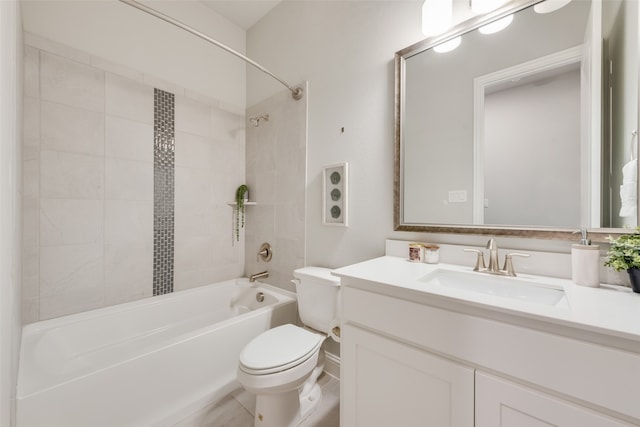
(596, 234)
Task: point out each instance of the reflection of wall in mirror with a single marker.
(620, 32)
(532, 161)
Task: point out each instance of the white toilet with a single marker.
(281, 366)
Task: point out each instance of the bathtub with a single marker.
(145, 363)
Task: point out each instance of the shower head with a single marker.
(255, 120)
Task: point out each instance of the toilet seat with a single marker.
(279, 349)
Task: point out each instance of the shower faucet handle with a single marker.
(265, 253)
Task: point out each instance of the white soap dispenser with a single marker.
(585, 262)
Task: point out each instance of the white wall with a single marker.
(10, 206)
(345, 50)
(117, 32)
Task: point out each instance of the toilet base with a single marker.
(290, 408)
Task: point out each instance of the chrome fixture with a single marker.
(260, 296)
(261, 275)
(255, 120)
(296, 92)
(493, 268)
(265, 253)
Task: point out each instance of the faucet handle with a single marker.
(508, 263)
(479, 260)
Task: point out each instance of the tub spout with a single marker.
(261, 275)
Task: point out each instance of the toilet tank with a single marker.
(318, 295)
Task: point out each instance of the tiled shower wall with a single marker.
(88, 184)
(276, 176)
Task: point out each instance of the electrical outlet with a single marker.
(457, 196)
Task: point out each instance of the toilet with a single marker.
(281, 366)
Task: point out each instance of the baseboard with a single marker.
(332, 365)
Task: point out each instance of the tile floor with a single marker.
(236, 410)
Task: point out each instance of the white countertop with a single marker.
(611, 310)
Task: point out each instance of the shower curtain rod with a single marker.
(296, 92)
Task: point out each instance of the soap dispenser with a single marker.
(585, 262)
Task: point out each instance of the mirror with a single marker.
(511, 133)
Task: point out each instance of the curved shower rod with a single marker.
(296, 92)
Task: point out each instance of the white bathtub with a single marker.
(143, 363)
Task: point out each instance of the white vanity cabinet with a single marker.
(388, 383)
(424, 360)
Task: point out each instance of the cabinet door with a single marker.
(386, 383)
(503, 403)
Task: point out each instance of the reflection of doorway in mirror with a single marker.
(528, 154)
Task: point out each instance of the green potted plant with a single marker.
(624, 254)
(242, 195)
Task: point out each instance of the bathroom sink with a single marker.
(505, 287)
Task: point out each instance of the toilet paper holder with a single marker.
(336, 331)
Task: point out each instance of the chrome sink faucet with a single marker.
(493, 268)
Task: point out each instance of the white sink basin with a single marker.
(506, 287)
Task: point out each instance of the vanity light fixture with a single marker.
(437, 16)
(496, 26)
(448, 46)
(549, 6)
(485, 6)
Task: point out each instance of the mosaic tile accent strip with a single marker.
(163, 191)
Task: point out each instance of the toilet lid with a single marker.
(279, 347)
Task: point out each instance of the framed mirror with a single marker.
(530, 131)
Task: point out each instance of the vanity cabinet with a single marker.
(421, 360)
(389, 383)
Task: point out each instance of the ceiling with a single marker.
(243, 13)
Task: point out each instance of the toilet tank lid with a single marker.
(322, 273)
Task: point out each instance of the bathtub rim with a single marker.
(280, 294)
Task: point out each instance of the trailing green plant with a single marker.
(240, 192)
(624, 252)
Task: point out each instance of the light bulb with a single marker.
(484, 6)
(448, 46)
(437, 16)
(549, 6)
(496, 26)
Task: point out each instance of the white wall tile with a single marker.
(71, 129)
(71, 83)
(227, 127)
(31, 178)
(128, 271)
(128, 221)
(71, 175)
(191, 223)
(31, 129)
(193, 253)
(70, 221)
(58, 49)
(192, 116)
(128, 139)
(129, 99)
(193, 151)
(128, 180)
(194, 187)
(31, 72)
(71, 279)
